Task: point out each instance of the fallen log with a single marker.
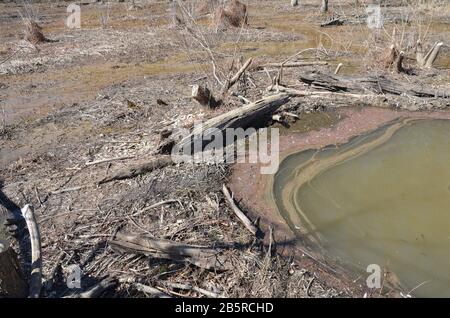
(138, 169)
(241, 216)
(203, 257)
(294, 64)
(367, 85)
(12, 280)
(250, 115)
(36, 260)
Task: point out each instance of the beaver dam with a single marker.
(382, 198)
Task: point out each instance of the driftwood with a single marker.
(332, 22)
(12, 280)
(96, 162)
(154, 292)
(242, 217)
(202, 257)
(294, 64)
(139, 168)
(204, 96)
(36, 259)
(366, 85)
(250, 115)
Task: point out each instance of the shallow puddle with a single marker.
(383, 198)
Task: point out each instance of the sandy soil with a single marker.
(108, 89)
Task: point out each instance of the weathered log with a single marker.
(139, 168)
(250, 115)
(12, 280)
(294, 64)
(202, 257)
(365, 85)
(241, 216)
(154, 292)
(204, 96)
(338, 68)
(36, 259)
(428, 59)
(234, 14)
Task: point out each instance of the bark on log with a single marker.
(12, 280)
(250, 115)
(36, 259)
(139, 168)
(204, 96)
(202, 257)
(365, 85)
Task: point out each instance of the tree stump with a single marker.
(12, 281)
(204, 96)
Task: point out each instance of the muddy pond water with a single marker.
(382, 198)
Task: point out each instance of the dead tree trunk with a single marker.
(369, 84)
(12, 281)
(324, 7)
(250, 115)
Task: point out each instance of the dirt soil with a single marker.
(108, 89)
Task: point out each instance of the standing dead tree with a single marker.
(324, 7)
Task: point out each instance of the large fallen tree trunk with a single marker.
(202, 257)
(251, 115)
(12, 281)
(367, 85)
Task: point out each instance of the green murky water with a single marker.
(382, 198)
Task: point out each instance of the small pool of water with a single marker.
(382, 198)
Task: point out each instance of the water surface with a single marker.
(383, 198)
